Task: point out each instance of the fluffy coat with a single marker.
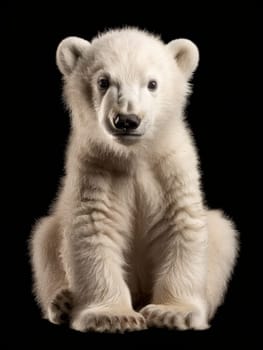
(129, 243)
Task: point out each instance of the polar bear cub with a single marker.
(129, 243)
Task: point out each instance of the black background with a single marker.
(218, 112)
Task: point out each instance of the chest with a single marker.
(149, 196)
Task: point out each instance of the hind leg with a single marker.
(222, 253)
(50, 282)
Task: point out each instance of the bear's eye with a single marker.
(152, 85)
(103, 83)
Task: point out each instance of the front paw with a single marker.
(108, 320)
(172, 316)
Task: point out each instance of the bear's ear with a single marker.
(186, 54)
(68, 53)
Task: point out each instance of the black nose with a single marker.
(126, 121)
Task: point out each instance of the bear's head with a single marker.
(126, 84)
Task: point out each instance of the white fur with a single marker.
(129, 229)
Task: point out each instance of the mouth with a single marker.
(126, 134)
(127, 138)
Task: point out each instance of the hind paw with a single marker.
(60, 307)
